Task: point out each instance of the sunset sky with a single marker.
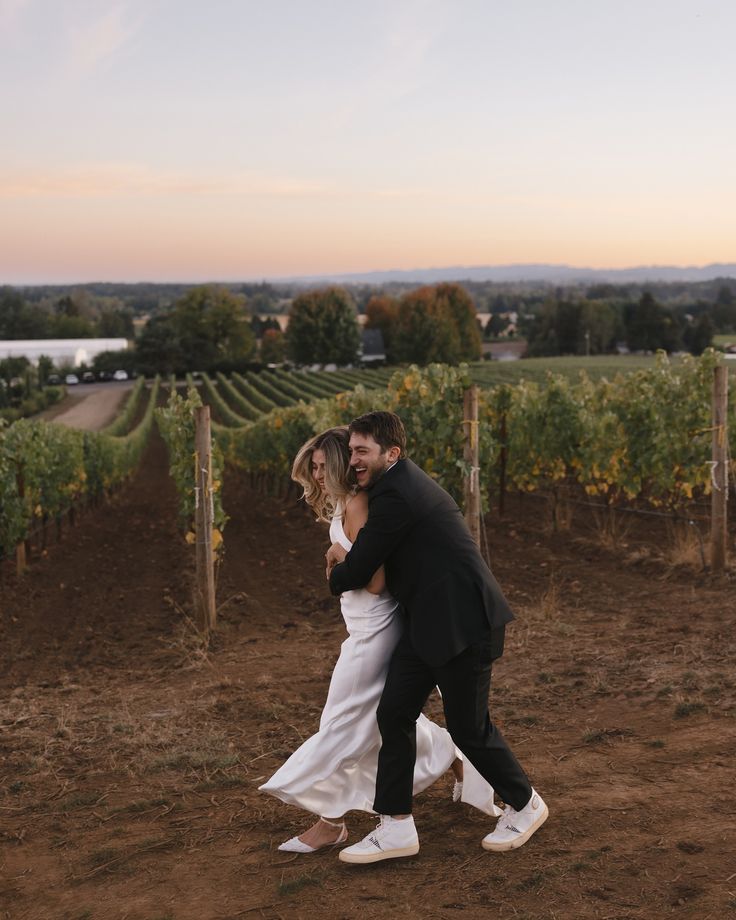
(178, 140)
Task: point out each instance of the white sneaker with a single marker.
(514, 828)
(393, 837)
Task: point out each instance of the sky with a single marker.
(178, 140)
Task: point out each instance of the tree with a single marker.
(207, 329)
(724, 310)
(259, 325)
(323, 328)
(114, 324)
(436, 323)
(650, 327)
(425, 331)
(157, 350)
(227, 325)
(382, 312)
(699, 335)
(20, 320)
(45, 367)
(454, 301)
(70, 326)
(273, 346)
(599, 322)
(128, 359)
(495, 326)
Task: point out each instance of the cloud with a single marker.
(415, 30)
(95, 41)
(99, 180)
(10, 13)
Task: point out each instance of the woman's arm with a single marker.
(355, 516)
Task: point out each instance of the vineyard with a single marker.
(131, 749)
(639, 438)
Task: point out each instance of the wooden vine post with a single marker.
(22, 549)
(719, 467)
(204, 600)
(471, 455)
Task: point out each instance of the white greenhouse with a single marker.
(71, 352)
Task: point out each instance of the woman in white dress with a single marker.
(334, 771)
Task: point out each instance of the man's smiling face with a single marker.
(368, 461)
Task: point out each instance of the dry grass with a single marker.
(686, 547)
(612, 527)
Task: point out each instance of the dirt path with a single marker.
(89, 407)
(130, 756)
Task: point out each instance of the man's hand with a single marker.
(334, 555)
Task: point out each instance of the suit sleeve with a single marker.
(389, 520)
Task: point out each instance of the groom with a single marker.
(456, 616)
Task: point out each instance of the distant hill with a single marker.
(539, 272)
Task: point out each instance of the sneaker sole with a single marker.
(501, 846)
(344, 856)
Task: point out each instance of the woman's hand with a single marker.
(334, 556)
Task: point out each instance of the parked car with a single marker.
(103, 376)
(53, 380)
(120, 375)
(71, 380)
(88, 377)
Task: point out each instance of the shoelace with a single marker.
(508, 819)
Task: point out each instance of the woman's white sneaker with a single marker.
(514, 828)
(392, 838)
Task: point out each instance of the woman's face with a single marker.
(318, 468)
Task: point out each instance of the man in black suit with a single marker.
(456, 616)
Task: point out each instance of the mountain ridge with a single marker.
(541, 272)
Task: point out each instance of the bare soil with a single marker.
(130, 754)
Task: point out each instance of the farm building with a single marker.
(71, 352)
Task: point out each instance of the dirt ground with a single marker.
(130, 755)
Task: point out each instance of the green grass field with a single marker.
(488, 373)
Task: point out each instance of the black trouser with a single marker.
(464, 683)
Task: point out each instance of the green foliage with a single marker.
(323, 328)
(177, 426)
(644, 435)
(225, 415)
(429, 400)
(207, 329)
(33, 404)
(122, 422)
(574, 327)
(649, 326)
(44, 467)
(432, 324)
(273, 346)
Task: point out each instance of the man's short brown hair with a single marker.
(386, 429)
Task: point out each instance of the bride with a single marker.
(334, 771)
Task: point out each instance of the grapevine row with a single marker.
(643, 436)
(45, 467)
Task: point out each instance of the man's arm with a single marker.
(389, 520)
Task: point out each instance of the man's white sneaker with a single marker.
(393, 837)
(514, 828)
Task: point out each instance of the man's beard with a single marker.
(374, 475)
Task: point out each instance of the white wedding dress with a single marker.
(334, 771)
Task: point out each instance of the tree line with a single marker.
(602, 324)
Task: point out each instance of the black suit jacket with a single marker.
(433, 565)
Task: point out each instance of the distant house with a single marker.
(373, 350)
(63, 352)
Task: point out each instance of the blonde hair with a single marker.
(334, 444)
